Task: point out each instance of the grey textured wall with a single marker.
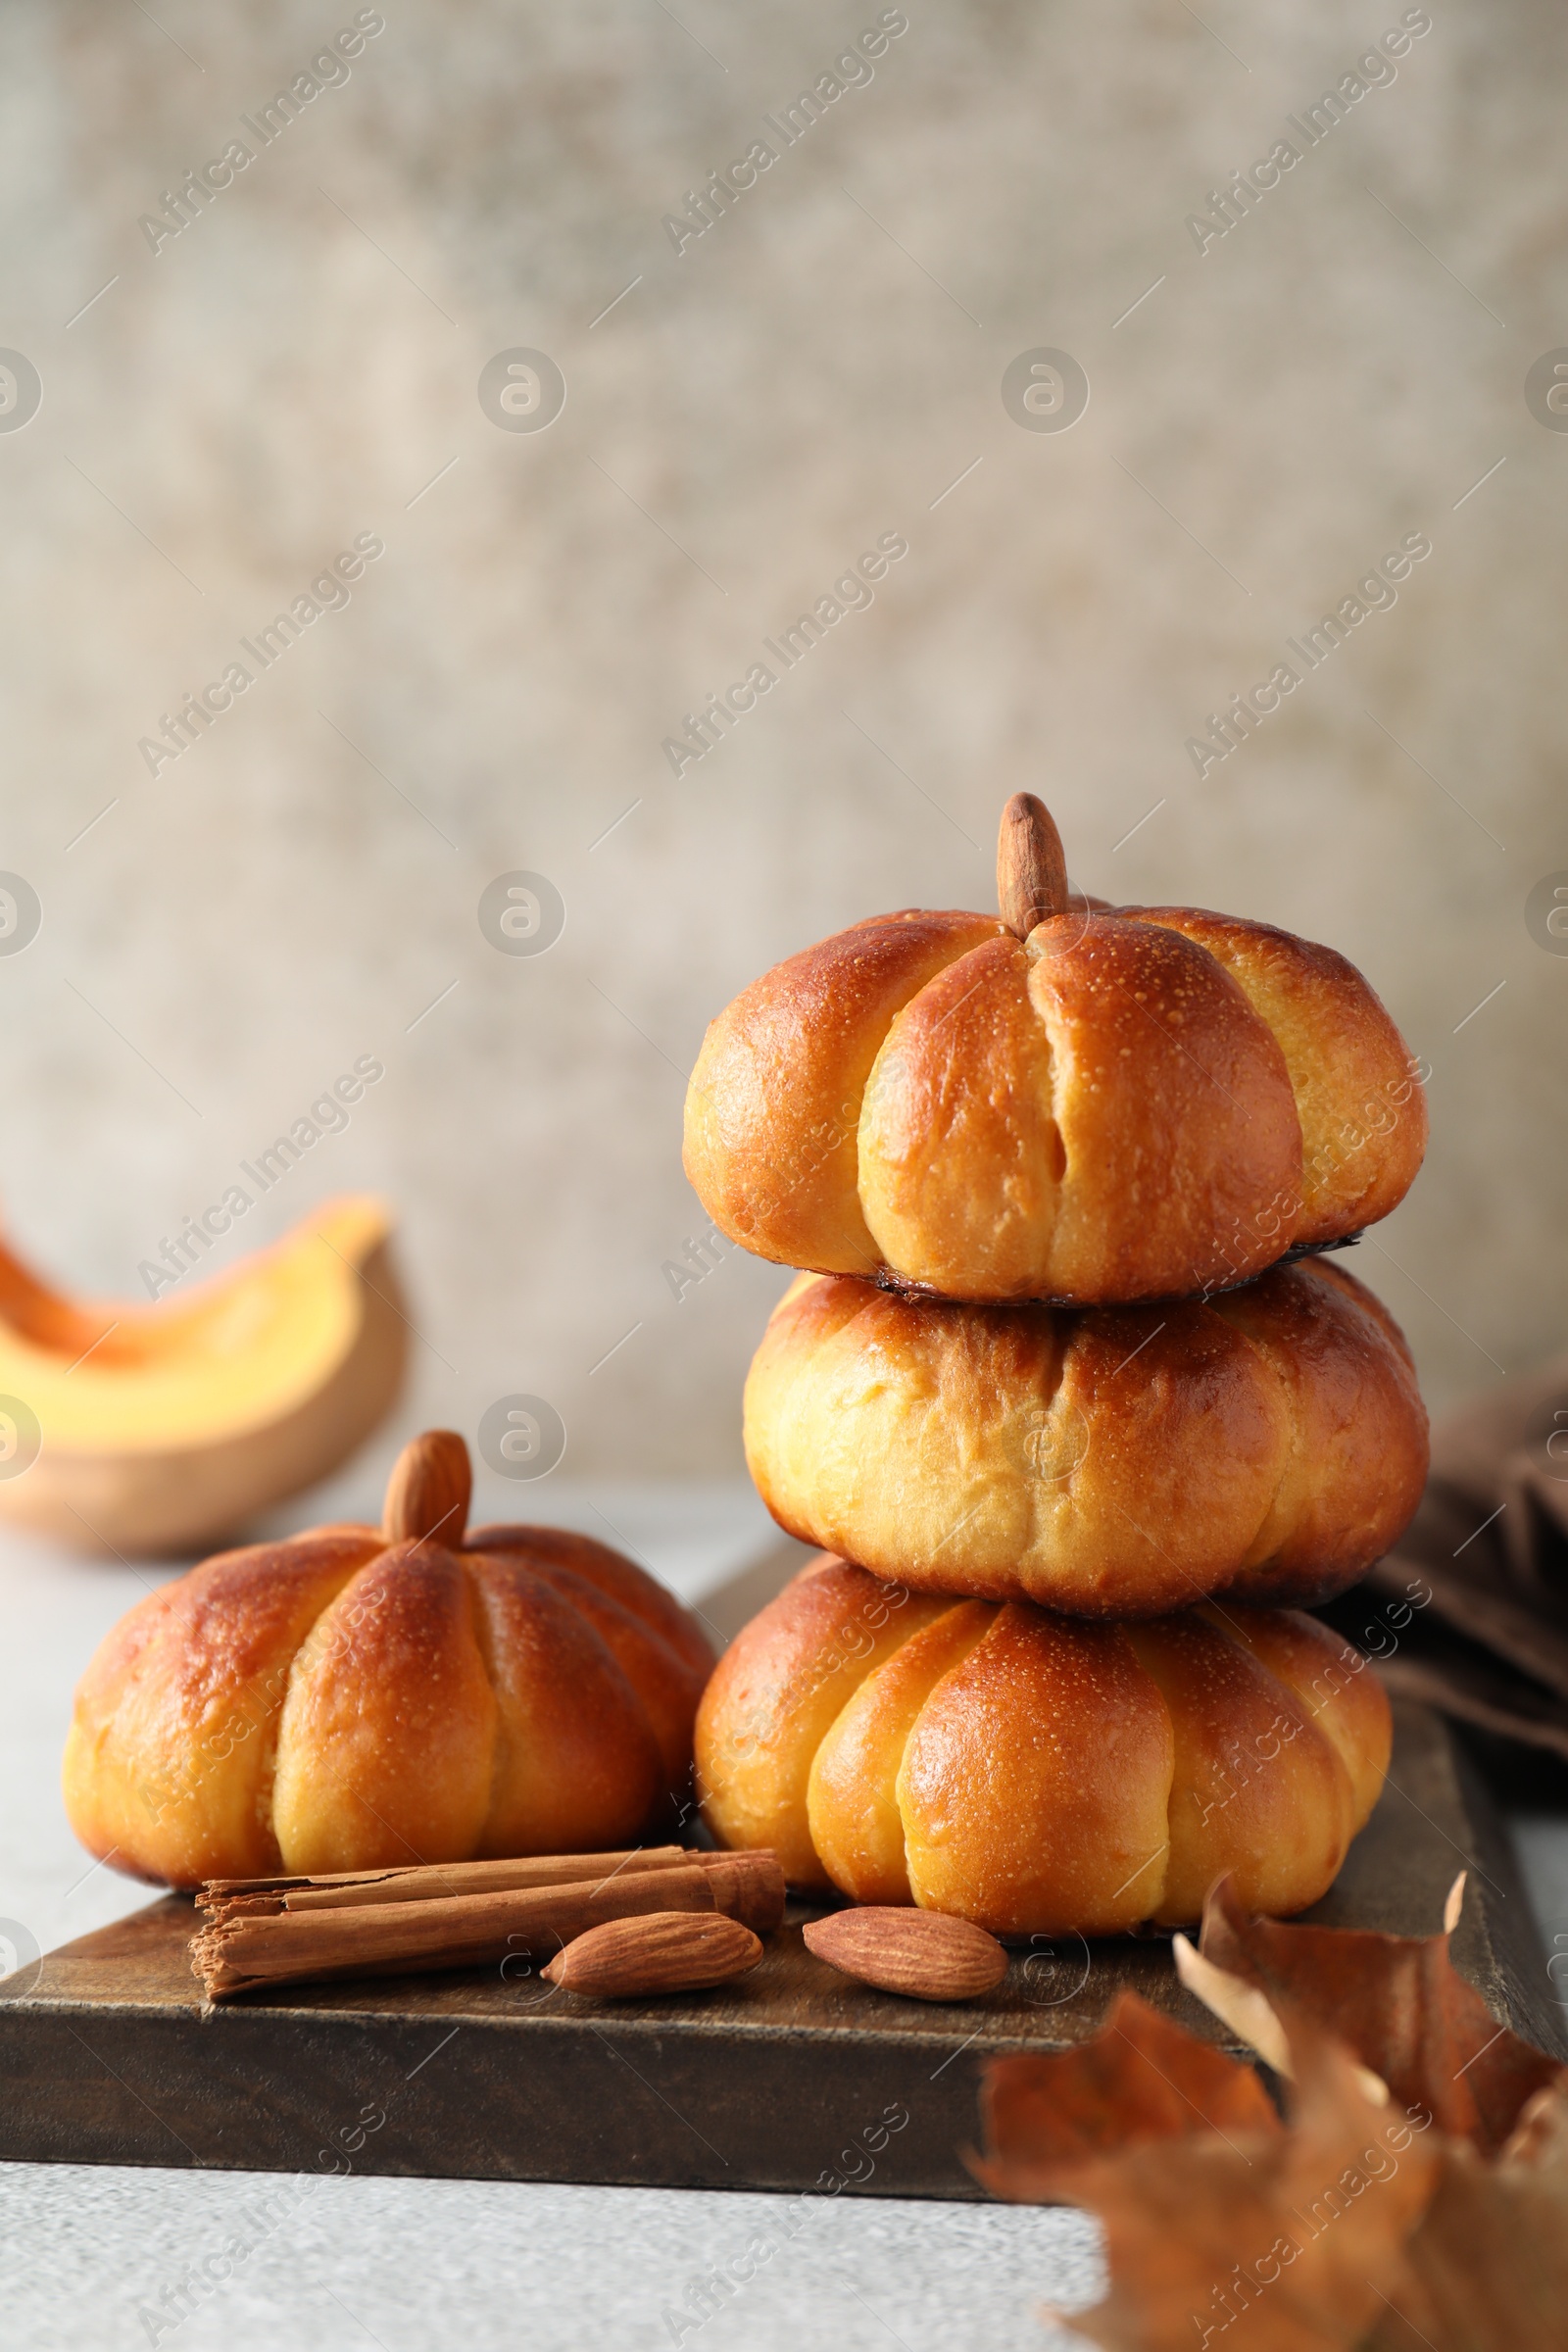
(301, 360)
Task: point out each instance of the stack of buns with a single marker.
(1077, 1413)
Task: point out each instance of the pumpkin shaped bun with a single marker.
(357, 1697)
(1266, 1444)
(1075, 1102)
(1033, 1772)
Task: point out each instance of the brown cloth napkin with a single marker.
(1471, 1612)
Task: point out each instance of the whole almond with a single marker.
(924, 1954)
(429, 1491)
(659, 1951)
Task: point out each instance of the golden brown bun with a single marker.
(1268, 1444)
(1033, 1772)
(339, 1702)
(1130, 1104)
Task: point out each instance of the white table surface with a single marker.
(97, 2255)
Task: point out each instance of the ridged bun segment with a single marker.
(1362, 1115)
(1036, 1774)
(1268, 1444)
(340, 1702)
(1124, 1103)
(774, 1100)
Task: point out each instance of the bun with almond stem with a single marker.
(1071, 1101)
(359, 1697)
(1032, 1773)
(1267, 1444)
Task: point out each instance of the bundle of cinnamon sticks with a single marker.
(403, 1921)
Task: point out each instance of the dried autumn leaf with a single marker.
(1363, 2227)
(1487, 2269)
(1220, 2224)
(1242, 2008)
(1236, 2004)
(1140, 2078)
(1397, 2002)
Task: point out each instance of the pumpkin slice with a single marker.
(162, 1429)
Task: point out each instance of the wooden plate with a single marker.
(793, 2078)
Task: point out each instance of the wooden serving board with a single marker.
(793, 2078)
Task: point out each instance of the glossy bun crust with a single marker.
(333, 1702)
(1033, 1772)
(1136, 1102)
(1267, 1444)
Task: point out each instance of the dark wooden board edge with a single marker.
(1436, 1818)
(584, 2101)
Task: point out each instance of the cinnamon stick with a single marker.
(257, 1934)
(748, 1887)
(425, 1881)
